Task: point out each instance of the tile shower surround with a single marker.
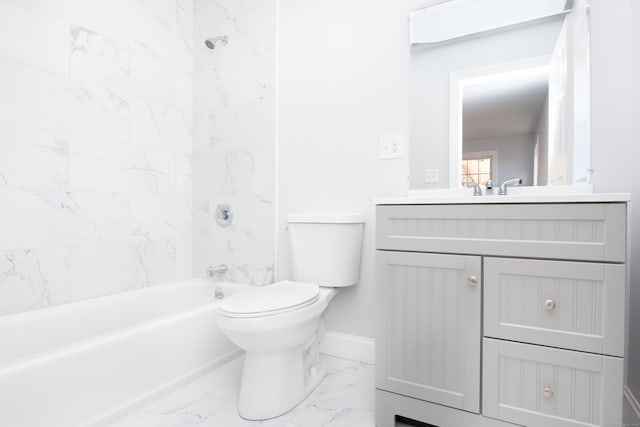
(104, 152)
(234, 138)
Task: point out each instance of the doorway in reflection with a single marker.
(504, 112)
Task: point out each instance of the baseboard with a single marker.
(633, 402)
(352, 347)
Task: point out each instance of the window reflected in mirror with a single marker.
(476, 167)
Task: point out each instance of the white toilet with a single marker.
(279, 326)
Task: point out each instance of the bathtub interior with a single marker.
(33, 332)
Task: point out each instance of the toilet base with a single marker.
(314, 377)
(273, 384)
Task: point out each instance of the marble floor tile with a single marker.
(629, 417)
(344, 398)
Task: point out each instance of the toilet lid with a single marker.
(269, 300)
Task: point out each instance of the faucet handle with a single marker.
(477, 191)
(218, 269)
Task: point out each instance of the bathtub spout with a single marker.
(218, 269)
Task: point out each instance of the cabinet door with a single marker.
(428, 331)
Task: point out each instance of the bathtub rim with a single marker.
(18, 316)
(69, 347)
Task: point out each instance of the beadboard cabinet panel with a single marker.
(578, 306)
(541, 386)
(429, 346)
(580, 231)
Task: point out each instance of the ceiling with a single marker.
(504, 107)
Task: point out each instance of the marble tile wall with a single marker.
(235, 138)
(96, 137)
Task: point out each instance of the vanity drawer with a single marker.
(575, 231)
(573, 305)
(540, 386)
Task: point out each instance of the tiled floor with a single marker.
(344, 399)
(629, 416)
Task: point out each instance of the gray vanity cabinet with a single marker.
(530, 295)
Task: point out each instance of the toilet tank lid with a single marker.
(322, 218)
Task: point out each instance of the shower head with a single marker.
(213, 41)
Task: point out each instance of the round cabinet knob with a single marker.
(473, 280)
(549, 304)
(547, 392)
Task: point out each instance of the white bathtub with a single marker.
(88, 362)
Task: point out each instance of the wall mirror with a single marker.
(499, 89)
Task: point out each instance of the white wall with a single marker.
(95, 148)
(633, 377)
(235, 138)
(611, 80)
(343, 81)
(515, 156)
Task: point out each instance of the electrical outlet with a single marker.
(391, 146)
(431, 176)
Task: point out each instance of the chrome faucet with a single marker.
(508, 183)
(218, 269)
(477, 191)
(488, 188)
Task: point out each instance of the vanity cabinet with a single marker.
(501, 314)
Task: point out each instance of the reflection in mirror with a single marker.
(501, 97)
(501, 111)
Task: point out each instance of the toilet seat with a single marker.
(279, 298)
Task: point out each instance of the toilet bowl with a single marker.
(280, 326)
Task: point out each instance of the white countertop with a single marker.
(578, 194)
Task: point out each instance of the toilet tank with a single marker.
(325, 248)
